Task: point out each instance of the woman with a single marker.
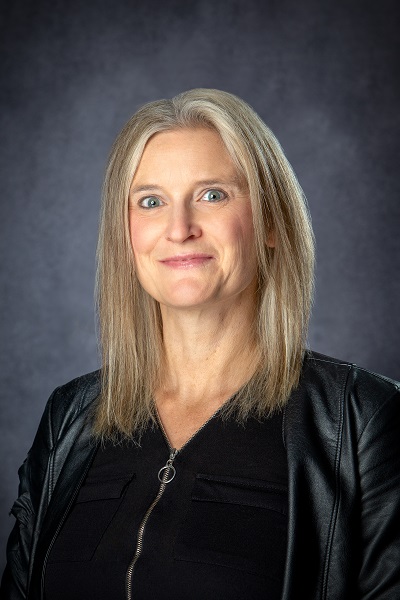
(212, 457)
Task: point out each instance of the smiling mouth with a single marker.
(187, 261)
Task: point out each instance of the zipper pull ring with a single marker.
(164, 473)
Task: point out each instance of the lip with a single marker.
(187, 261)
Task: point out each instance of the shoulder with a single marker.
(340, 409)
(64, 418)
(341, 433)
(79, 391)
(339, 386)
(70, 402)
(320, 367)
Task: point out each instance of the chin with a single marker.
(185, 302)
(185, 296)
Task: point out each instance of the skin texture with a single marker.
(192, 236)
(173, 168)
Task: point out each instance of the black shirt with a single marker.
(218, 530)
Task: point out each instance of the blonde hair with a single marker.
(130, 320)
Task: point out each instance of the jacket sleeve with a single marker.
(32, 475)
(13, 585)
(379, 464)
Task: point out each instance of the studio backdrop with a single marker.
(321, 74)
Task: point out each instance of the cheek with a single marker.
(134, 234)
(240, 232)
(248, 230)
(140, 236)
(244, 241)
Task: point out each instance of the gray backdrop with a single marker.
(322, 76)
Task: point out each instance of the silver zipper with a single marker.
(165, 478)
(192, 436)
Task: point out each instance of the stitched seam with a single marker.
(51, 455)
(378, 410)
(395, 383)
(220, 564)
(335, 510)
(237, 503)
(242, 485)
(331, 362)
(128, 478)
(83, 396)
(381, 377)
(284, 417)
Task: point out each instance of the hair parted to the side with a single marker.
(130, 320)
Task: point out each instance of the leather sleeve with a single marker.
(13, 585)
(379, 467)
(68, 404)
(32, 475)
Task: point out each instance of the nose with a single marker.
(182, 224)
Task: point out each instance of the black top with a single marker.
(218, 530)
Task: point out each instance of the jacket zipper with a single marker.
(165, 478)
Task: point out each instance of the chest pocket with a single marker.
(91, 515)
(236, 523)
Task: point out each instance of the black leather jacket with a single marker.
(342, 435)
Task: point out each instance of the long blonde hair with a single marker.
(130, 320)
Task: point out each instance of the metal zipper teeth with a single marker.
(193, 435)
(173, 453)
(142, 527)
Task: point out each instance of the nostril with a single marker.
(180, 229)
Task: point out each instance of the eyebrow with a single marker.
(144, 188)
(235, 182)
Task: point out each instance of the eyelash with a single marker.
(223, 194)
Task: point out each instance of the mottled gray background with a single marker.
(322, 74)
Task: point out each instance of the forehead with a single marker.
(185, 136)
(187, 150)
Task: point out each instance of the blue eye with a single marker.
(150, 202)
(214, 196)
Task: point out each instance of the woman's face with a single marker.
(190, 221)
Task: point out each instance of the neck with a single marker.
(209, 353)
